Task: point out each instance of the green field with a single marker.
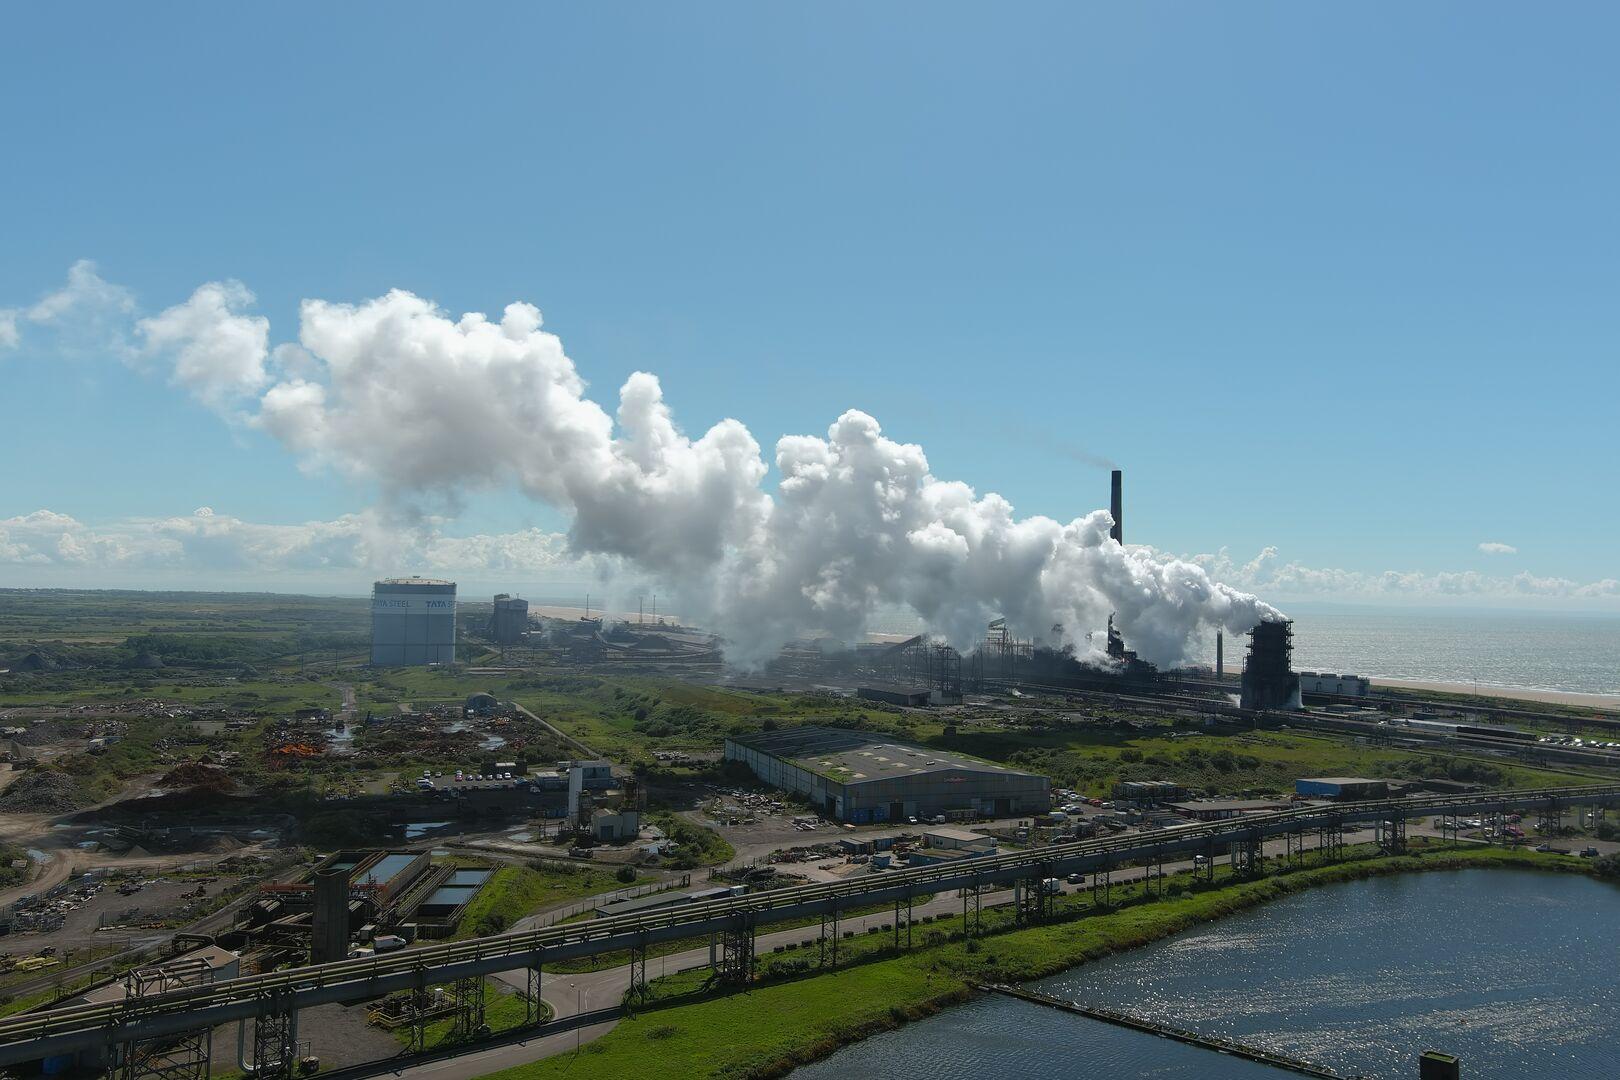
(516, 891)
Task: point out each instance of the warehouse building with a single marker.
(1223, 809)
(1327, 682)
(1341, 787)
(959, 840)
(864, 777)
(413, 621)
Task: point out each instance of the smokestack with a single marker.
(1220, 654)
(1116, 506)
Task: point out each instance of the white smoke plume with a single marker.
(393, 391)
(429, 407)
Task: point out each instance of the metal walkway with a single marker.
(32, 1036)
(1166, 1031)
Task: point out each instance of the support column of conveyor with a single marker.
(737, 949)
(1551, 821)
(639, 991)
(275, 1038)
(534, 1006)
(1330, 838)
(1390, 835)
(468, 994)
(419, 1004)
(829, 938)
(1245, 855)
(1448, 829)
(188, 1056)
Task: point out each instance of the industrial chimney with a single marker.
(1116, 506)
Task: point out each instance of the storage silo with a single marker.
(509, 620)
(413, 621)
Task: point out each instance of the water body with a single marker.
(1512, 971)
(1528, 650)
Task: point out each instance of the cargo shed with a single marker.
(866, 777)
(1341, 787)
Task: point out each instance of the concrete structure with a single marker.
(1269, 681)
(586, 776)
(914, 697)
(612, 826)
(660, 900)
(958, 840)
(943, 856)
(1341, 787)
(1222, 809)
(1434, 1065)
(413, 621)
(1148, 791)
(510, 619)
(864, 777)
(1326, 682)
(330, 923)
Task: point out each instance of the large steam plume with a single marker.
(395, 392)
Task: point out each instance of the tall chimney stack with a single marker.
(1116, 507)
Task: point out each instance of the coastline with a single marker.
(1509, 693)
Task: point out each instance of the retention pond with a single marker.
(1514, 971)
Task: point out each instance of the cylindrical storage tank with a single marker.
(413, 621)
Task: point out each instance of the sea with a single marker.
(1501, 649)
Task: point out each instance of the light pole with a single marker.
(579, 1009)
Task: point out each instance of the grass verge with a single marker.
(516, 891)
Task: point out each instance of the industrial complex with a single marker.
(420, 828)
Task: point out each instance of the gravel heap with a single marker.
(44, 791)
(194, 775)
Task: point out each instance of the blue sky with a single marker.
(1334, 281)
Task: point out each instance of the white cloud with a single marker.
(87, 314)
(1491, 547)
(217, 353)
(345, 549)
(1267, 573)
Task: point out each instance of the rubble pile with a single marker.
(195, 776)
(44, 791)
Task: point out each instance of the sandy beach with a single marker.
(1552, 697)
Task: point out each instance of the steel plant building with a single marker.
(413, 621)
(864, 777)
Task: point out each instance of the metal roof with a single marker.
(856, 757)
